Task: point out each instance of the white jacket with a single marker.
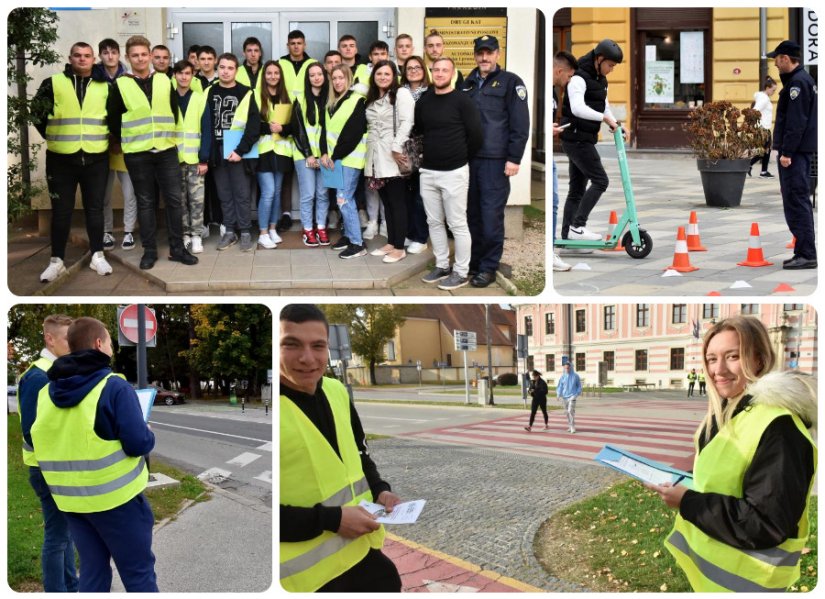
(380, 140)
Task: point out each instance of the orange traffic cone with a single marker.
(681, 260)
(694, 244)
(755, 255)
(792, 243)
(611, 226)
(714, 293)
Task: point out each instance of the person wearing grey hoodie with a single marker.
(568, 389)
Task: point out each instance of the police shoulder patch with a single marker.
(521, 92)
(794, 93)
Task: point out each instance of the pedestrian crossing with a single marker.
(668, 440)
(217, 476)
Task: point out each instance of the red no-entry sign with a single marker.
(128, 323)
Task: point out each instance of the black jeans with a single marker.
(64, 172)
(585, 165)
(538, 402)
(150, 171)
(766, 157)
(374, 574)
(232, 182)
(394, 197)
(417, 229)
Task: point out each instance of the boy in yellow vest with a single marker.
(97, 483)
(57, 557)
(328, 543)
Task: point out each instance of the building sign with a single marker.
(692, 57)
(810, 24)
(460, 26)
(131, 21)
(659, 76)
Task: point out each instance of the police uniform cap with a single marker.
(788, 48)
(485, 41)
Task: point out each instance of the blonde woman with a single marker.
(745, 523)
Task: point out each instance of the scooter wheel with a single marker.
(638, 251)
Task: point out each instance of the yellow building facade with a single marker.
(716, 49)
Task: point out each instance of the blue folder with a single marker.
(610, 453)
(333, 179)
(232, 139)
(146, 397)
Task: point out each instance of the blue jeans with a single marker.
(313, 194)
(346, 204)
(269, 208)
(555, 198)
(57, 556)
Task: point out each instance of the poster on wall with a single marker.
(659, 76)
(131, 21)
(692, 57)
(460, 26)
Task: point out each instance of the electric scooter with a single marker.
(636, 242)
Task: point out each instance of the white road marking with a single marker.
(244, 459)
(200, 430)
(265, 476)
(368, 417)
(434, 586)
(265, 447)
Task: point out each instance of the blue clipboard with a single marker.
(232, 139)
(146, 397)
(610, 456)
(333, 179)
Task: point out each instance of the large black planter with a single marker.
(723, 181)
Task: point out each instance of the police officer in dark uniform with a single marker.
(794, 139)
(501, 98)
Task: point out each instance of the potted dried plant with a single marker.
(723, 139)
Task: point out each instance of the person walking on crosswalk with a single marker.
(568, 389)
(538, 390)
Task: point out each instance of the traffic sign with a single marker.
(465, 340)
(127, 320)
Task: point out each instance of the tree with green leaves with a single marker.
(31, 34)
(371, 327)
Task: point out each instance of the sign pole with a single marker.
(142, 374)
(466, 380)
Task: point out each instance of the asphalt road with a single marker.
(230, 450)
(388, 419)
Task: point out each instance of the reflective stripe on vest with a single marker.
(241, 113)
(335, 124)
(189, 129)
(711, 565)
(28, 451)
(146, 127)
(71, 127)
(311, 473)
(85, 473)
(294, 81)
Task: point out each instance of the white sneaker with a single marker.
(416, 248)
(187, 241)
(382, 230)
(273, 235)
(407, 241)
(205, 232)
(108, 241)
(53, 270)
(560, 265)
(223, 230)
(362, 217)
(128, 242)
(265, 241)
(197, 245)
(371, 230)
(99, 264)
(582, 233)
(332, 220)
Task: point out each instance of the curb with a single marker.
(506, 283)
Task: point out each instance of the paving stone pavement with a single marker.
(667, 188)
(485, 506)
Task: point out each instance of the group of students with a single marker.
(211, 135)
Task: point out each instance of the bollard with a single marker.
(243, 404)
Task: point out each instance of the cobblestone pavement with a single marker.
(485, 506)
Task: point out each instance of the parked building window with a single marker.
(530, 364)
(550, 362)
(750, 308)
(580, 321)
(581, 363)
(641, 359)
(642, 315)
(610, 360)
(550, 323)
(677, 358)
(528, 326)
(679, 313)
(710, 311)
(389, 350)
(609, 318)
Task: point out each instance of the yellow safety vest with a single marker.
(146, 127)
(85, 473)
(243, 77)
(189, 129)
(711, 565)
(28, 451)
(71, 127)
(275, 142)
(311, 473)
(313, 131)
(195, 85)
(361, 75)
(335, 124)
(294, 81)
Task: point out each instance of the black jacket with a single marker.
(795, 128)
(595, 96)
(505, 117)
(298, 126)
(538, 389)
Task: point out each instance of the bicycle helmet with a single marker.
(610, 50)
